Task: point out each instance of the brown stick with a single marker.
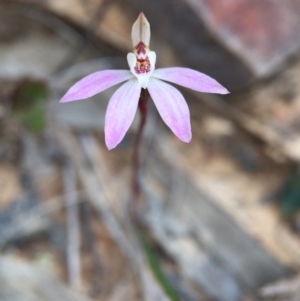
(73, 227)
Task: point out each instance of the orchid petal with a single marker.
(140, 31)
(190, 79)
(96, 83)
(152, 59)
(131, 59)
(172, 108)
(120, 112)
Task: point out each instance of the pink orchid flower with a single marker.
(122, 106)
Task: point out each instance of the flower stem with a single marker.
(143, 109)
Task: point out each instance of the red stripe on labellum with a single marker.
(142, 66)
(143, 63)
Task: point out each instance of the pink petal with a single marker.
(190, 79)
(172, 108)
(120, 112)
(96, 83)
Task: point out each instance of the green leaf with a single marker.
(155, 266)
(34, 119)
(28, 105)
(289, 197)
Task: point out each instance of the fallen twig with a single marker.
(127, 241)
(39, 211)
(73, 227)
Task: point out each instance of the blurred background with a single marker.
(221, 214)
